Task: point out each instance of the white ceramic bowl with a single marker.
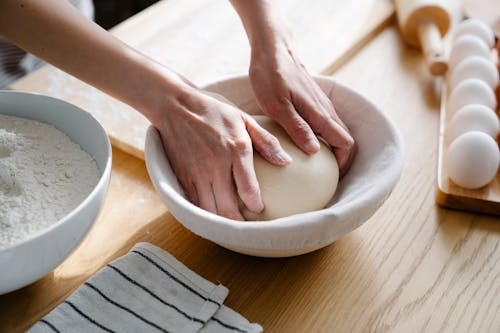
(27, 261)
(375, 171)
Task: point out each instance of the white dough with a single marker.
(307, 184)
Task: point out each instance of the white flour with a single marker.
(43, 176)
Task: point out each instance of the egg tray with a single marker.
(484, 200)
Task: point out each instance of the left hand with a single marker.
(286, 92)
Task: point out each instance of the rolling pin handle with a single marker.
(432, 46)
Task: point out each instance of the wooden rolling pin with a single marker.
(423, 23)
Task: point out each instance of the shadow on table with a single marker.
(254, 283)
(332, 276)
(452, 221)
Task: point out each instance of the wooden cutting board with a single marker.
(326, 35)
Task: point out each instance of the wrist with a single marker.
(169, 93)
(269, 39)
(263, 26)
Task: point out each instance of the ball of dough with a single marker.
(306, 184)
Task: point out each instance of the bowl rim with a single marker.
(103, 178)
(288, 222)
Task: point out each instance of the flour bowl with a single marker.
(375, 171)
(28, 260)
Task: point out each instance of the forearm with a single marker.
(263, 27)
(285, 90)
(56, 32)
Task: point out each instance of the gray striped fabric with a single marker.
(16, 63)
(147, 290)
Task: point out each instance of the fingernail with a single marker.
(312, 145)
(284, 157)
(260, 206)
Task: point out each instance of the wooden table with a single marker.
(412, 267)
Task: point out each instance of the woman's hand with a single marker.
(209, 145)
(287, 93)
(284, 89)
(208, 142)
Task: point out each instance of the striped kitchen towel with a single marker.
(147, 290)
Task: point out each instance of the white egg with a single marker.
(471, 91)
(475, 68)
(474, 117)
(473, 160)
(477, 28)
(467, 46)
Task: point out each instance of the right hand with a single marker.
(209, 146)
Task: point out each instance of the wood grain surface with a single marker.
(435, 270)
(204, 40)
(130, 204)
(413, 267)
(483, 200)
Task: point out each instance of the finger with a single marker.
(225, 196)
(325, 122)
(298, 129)
(246, 181)
(190, 191)
(333, 113)
(335, 134)
(327, 105)
(341, 141)
(344, 159)
(266, 143)
(329, 126)
(206, 196)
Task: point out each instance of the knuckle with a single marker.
(352, 146)
(350, 143)
(266, 138)
(240, 146)
(299, 128)
(282, 100)
(250, 191)
(276, 106)
(280, 104)
(270, 140)
(324, 126)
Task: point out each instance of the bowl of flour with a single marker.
(55, 166)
